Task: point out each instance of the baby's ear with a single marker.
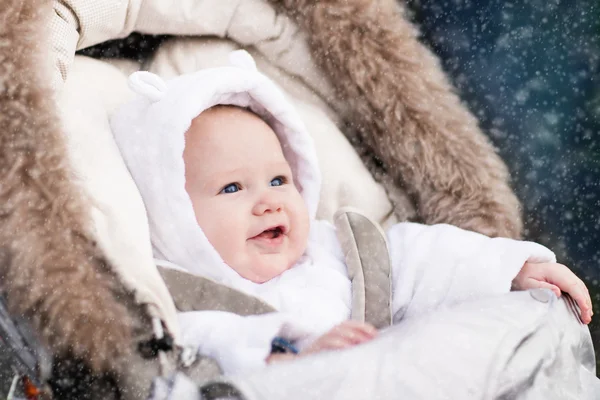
(242, 59)
(148, 84)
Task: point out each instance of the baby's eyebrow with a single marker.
(225, 177)
(230, 175)
(233, 171)
(281, 165)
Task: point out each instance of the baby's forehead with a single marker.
(230, 118)
(232, 129)
(228, 112)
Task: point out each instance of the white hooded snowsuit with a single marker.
(432, 266)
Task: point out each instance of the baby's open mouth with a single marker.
(271, 233)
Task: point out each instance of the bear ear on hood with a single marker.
(148, 84)
(242, 59)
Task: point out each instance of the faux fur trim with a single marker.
(392, 90)
(51, 271)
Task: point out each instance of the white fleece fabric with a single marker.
(432, 266)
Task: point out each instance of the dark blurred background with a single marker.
(530, 71)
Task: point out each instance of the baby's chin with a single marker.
(266, 270)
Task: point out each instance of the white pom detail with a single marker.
(148, 84)
(242, 59)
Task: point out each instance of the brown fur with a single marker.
(51, 273)
(393, 91)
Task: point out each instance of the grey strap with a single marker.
(195, 293)
(369, 267)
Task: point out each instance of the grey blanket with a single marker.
(522, 345)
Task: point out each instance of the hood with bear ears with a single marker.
(150, 133)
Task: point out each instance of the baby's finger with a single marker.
(584, 302)
(584, 312)
(353, 334)
(545, 285)
(568, 282)
(580, 294)
(336, 342)
(327, 342)
(577, 290)
(364, 328)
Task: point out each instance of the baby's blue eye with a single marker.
(280, 180)
(231, 188)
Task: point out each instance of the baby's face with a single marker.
(243, 193)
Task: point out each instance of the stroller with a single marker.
(87, 314)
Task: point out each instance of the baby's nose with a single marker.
(267, 205)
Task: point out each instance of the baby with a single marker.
(230, 181)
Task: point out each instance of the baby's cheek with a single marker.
(298, 247)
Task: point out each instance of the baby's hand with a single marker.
(346, 334)
(557, 278)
